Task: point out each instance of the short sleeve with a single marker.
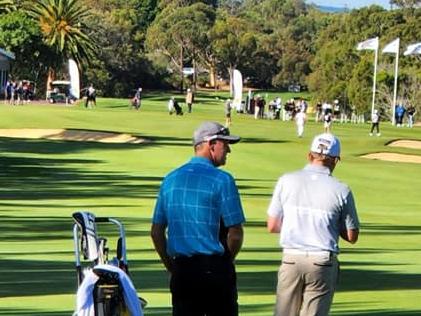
(159, 215)
(275, 207)
(349, 216)
(230, 203)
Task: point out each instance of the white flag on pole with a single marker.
(413, 49)
(392, 47)
(371, 44)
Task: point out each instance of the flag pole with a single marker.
(374, 78)
(395, 88)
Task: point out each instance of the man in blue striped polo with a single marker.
(195, 201)
(311, 209)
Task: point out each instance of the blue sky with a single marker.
(351, 4)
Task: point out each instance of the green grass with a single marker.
(43, 182)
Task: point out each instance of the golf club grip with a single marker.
(101, 219)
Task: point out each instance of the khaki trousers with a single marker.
(306, 284)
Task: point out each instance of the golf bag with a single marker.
(177, 107)
(104, 285)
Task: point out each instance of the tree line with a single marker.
(120, 45)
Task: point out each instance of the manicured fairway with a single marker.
(44, 181)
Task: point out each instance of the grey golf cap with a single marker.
(213, 130)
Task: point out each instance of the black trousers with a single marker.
(374, 126)
(204, 286)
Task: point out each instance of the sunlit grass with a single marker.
(43, 182)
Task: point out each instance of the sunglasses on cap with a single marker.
(223, 131)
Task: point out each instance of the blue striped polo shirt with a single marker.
(192, 200)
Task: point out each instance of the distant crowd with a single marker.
(294, 109)
(19, 92)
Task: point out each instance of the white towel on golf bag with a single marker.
(85, 300)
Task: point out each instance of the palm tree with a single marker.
(6, 5)
(62, 25)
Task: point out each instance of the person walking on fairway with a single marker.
(137, 100)
(228, 108)
(375, 121)
(193, 201)
(410, 112)
(327, 122)
(300, 120)
(311, 209)
(189, 99)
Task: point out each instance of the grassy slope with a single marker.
(43, 182)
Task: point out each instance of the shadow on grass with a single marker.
(48, 277)
(52, 228)
(24, 312)
(378, 229)
(249, 308)
(44, 146)
(51, 178)
(156, 141)
(378, 312)
(368, 280)
(250, 140)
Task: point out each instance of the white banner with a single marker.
(74, 79)
(392, 47)
(371, 44)
(413, 49)
(238, 90)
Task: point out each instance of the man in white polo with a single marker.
(311, 209)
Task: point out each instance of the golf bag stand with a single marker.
(108, 292)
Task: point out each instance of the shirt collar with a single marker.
(317, 169)
(201, 160)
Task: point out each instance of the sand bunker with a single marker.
(394, 157)
(71, 134)
(414, 144)
(405, 143)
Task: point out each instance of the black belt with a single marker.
(198, 258)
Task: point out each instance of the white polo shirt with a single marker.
(314, 207)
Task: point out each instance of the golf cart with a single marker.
(60, 92)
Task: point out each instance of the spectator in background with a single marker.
(399, 114)
(318, 111)
(6, 92)
(19, 93)
(410, 112)
(257, 105)
(90, 96)
(173, 106)
(189, 100)
(228, 108)
(327, 119)
(375, 121)
(137, 100)
(336, 109)
(303, 105)
(300, 120)
(278, 104)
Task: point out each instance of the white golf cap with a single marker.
(326, 144)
